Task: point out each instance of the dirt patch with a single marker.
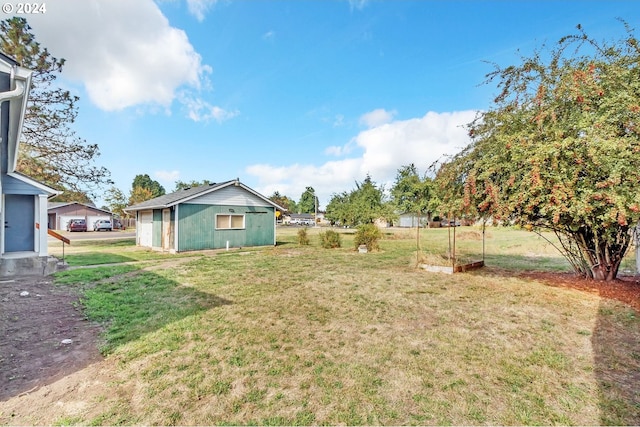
(469, 235)
(44, 334)
(625, 289)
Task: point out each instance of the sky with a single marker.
(289, 94)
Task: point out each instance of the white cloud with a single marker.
(339, 151)
(269, 35)
(377, 117)
(358, 4)
(198, 8)
(385, 149)
(199, 110)
(167, 177)
(124, 52)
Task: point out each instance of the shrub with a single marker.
(368, 234)
(303, 237)
(330, 239)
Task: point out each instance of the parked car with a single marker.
(77, 225)
(450, 223)
(117, 225)
(102, 224)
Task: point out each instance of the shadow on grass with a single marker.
(615, 339)
(616, 347)
(131, 303)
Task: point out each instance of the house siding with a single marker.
(11, 185)
(231, 195)
(197, 227)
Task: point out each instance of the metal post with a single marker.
(484, 222)
(454, 243)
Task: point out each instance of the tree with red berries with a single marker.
(560, 150)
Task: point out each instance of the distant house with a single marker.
(23, 201)
(60, 213)
(299, 219)
(214, 216)
(411, 220)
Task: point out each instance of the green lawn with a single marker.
(95, 252)
(292, 335)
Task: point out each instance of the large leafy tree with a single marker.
(139, 195)
(190, 184)
(145, 181)
(50, 150)
(308, 201)
(411, 192)
(363, 205)
(560, 150)
(284, 201)
(116, 201)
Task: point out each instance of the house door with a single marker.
(19, 223)
(145, 234)
(166, 229)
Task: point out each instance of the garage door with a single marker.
(145, 229)
(91, 220)
(64, 220)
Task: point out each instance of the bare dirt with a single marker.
(33, 327)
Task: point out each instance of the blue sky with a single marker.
(289, 94)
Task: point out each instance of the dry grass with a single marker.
(313, 336)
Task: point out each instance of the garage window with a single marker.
(229, 222)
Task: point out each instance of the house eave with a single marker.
(202, 193)
(80, 204)
(45, 188)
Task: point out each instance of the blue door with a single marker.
(19, 223)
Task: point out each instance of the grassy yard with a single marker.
(94, 252)
(295, 335)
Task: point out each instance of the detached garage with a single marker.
(59, 214)
(213, 216)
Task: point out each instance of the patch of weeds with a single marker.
(304, 418)
(546, 356)
(117, 414)
(174, 418)
(303, 237)
(273, 421)
(547, 325)
(477, 414)
(330, 239)
(68, 421)
(238, 358)
(255, 396)
(454, 384)
(368, 235)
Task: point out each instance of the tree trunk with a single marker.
(602, 256)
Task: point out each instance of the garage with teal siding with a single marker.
(211, 227)
(214, 216)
